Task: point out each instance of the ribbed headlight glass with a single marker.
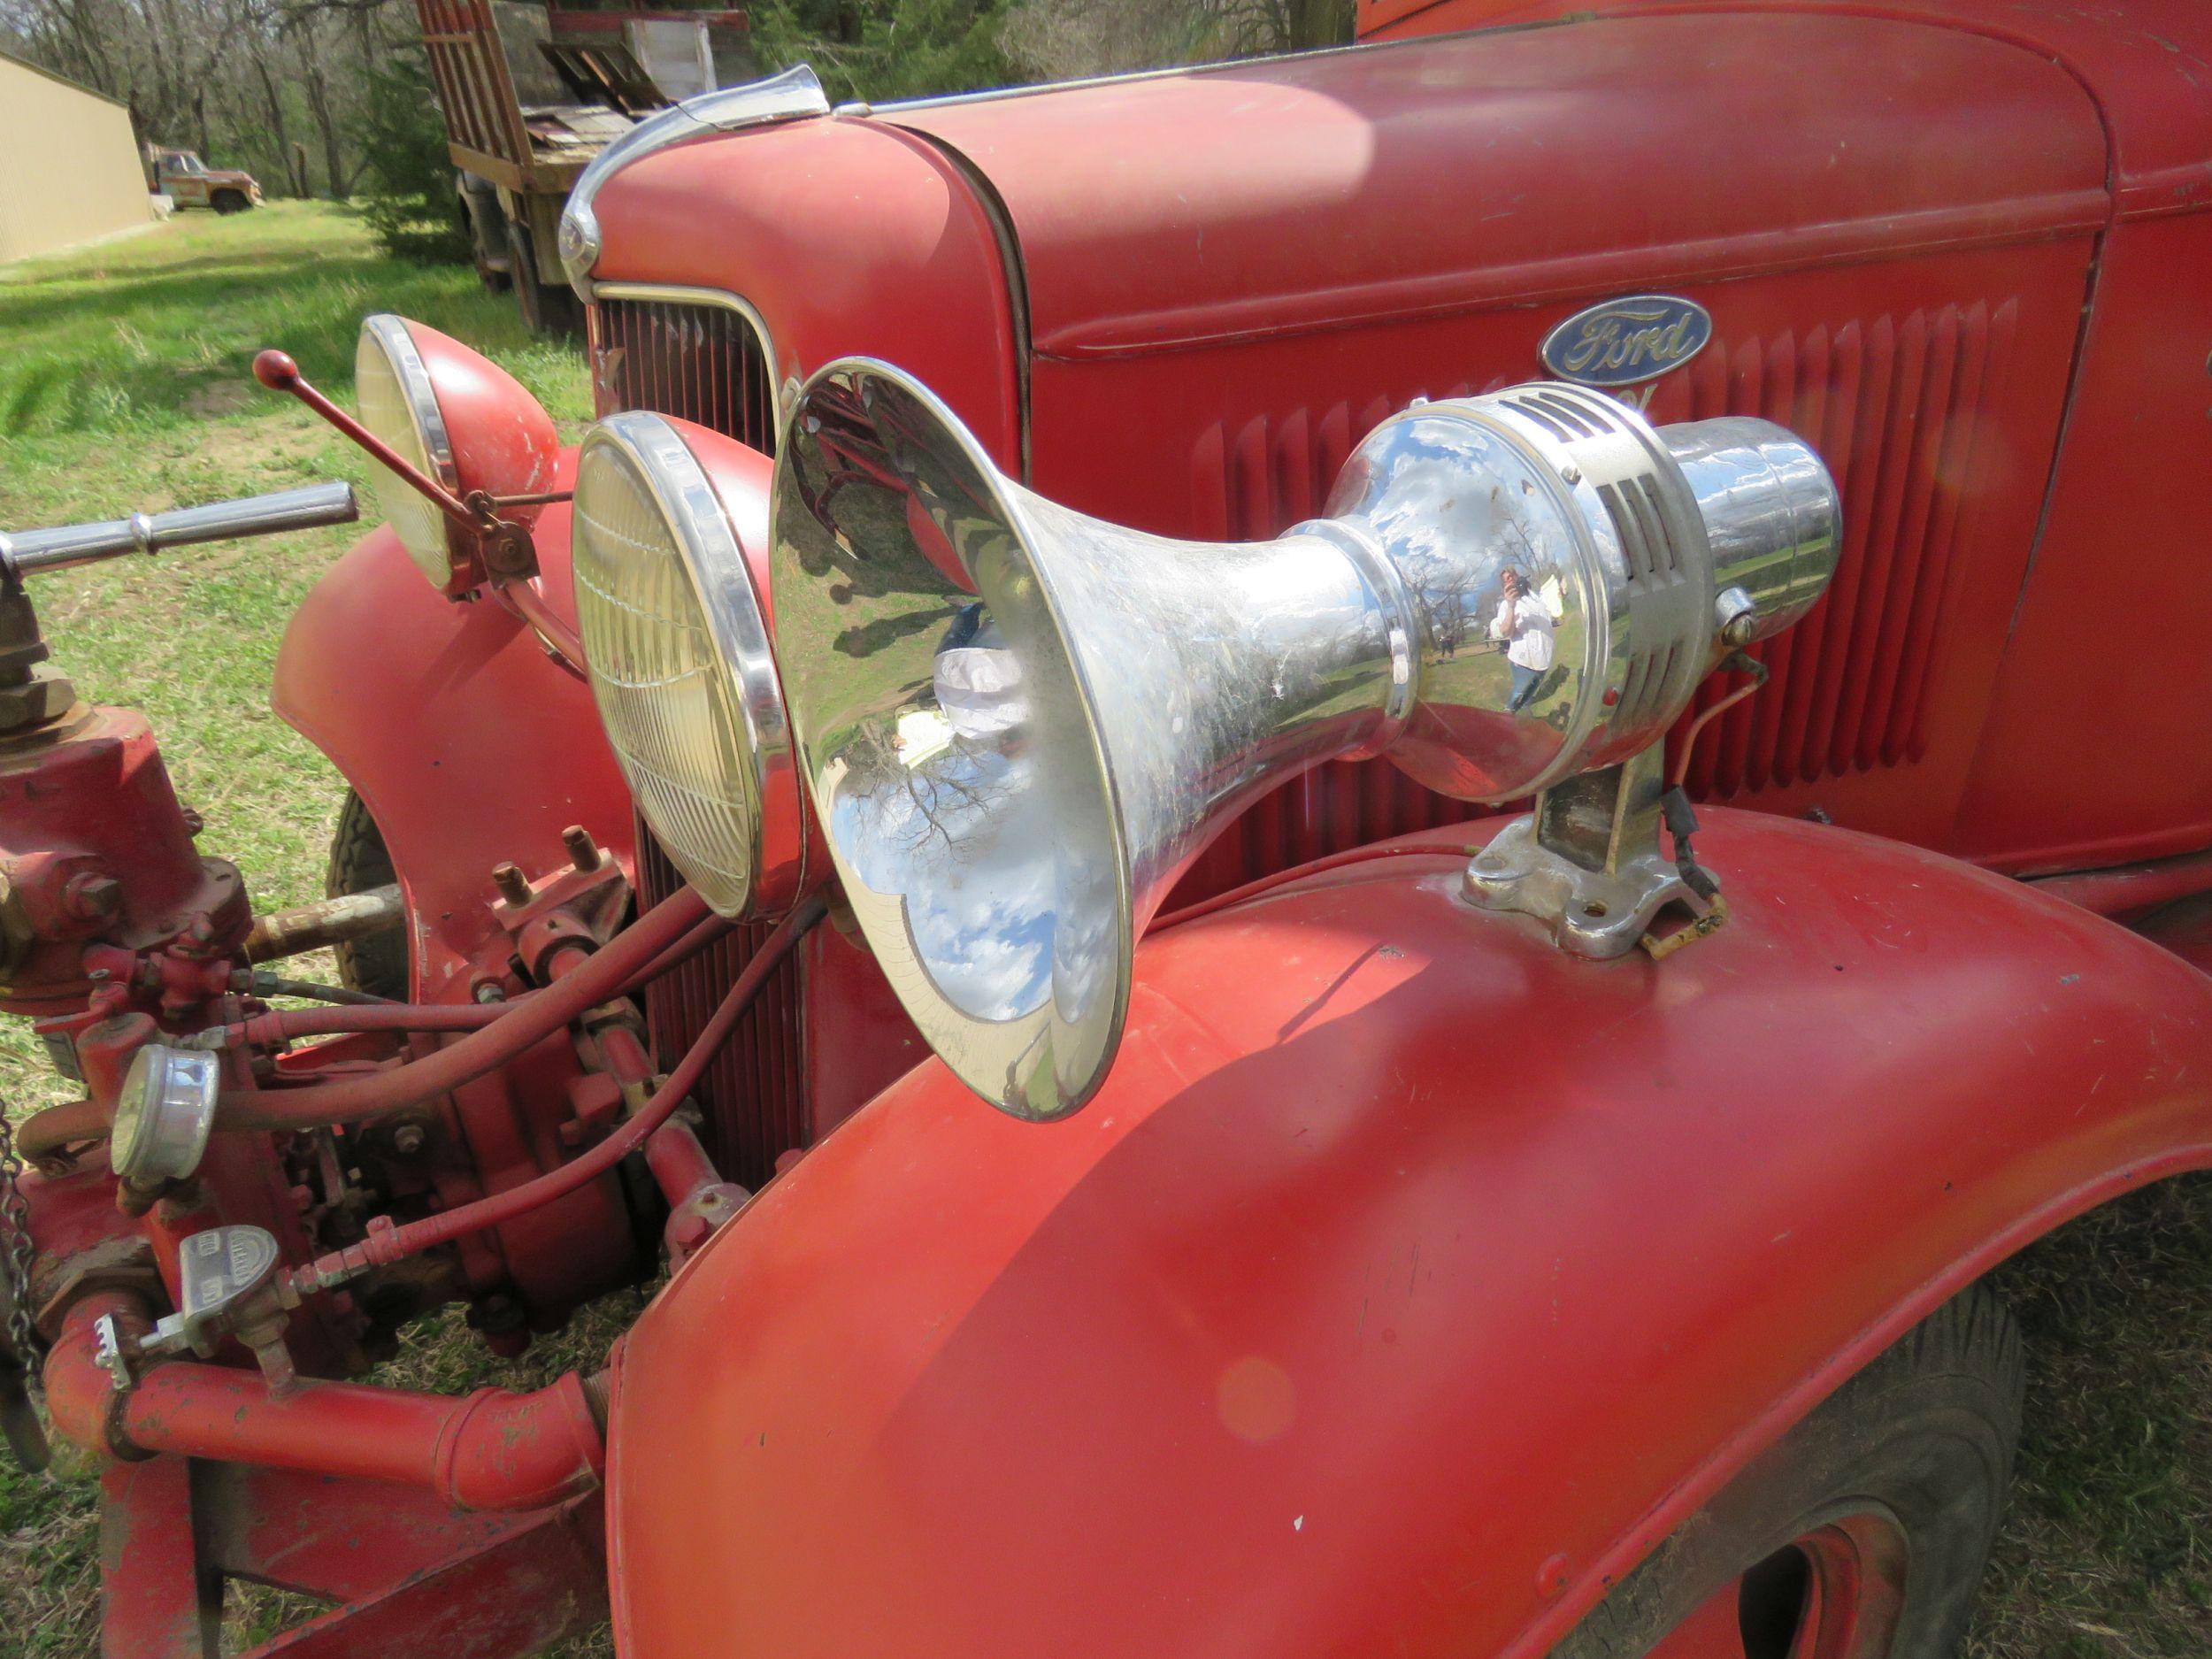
(673, 639)
(393, 388)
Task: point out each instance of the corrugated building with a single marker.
(69, 167)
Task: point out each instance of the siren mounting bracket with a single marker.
(1588, 864)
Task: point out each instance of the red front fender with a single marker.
(470, 748)
(1405, 1284)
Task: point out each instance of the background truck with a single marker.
(532, 93)
(181, 176)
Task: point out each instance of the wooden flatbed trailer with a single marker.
(532, 93)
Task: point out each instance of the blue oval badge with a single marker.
(1622, 341)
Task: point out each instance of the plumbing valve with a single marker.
(231, 1287)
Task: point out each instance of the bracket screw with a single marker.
(513, 885)
(583, 851)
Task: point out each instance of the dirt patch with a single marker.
(219, 398)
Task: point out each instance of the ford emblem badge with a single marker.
(1622, 341)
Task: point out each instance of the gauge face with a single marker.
(399, 406)
(677, 652)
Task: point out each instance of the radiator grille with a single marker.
(698, 361)
(705, 361)
(1895, 404)
(754, 1094)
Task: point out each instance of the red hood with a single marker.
(1431, 175)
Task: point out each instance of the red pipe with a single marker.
(281, 1025)
(287, 1024)
(45, 1133)
(493, 1449)
(525, 1023)
(680, 1165)
(387, 1243)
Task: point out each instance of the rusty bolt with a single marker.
(513, 885)
(407, 1139)
(90, 897)
(193, 822)
(583, 852)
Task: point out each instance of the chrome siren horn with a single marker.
(1021, 724)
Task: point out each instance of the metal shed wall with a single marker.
(69, 167)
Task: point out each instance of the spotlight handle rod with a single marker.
(279, 372)
(33, 552)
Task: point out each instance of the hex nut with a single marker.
(91, 896)
(47, 695)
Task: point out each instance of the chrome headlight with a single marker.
(676, 641)
(461, 419)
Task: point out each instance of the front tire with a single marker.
(1864, 1532)
(358, 863)
(229, 202)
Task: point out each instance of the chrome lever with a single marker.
(34, 552)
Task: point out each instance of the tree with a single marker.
(1061, 39)
(407, 188)
(887, 49)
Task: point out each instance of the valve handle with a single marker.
(230, 1286)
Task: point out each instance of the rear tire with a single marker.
(1896, 1483)
(358, 862)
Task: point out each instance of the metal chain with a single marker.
(16, 1254)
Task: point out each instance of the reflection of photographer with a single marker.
(978, 681)
(1524, 626)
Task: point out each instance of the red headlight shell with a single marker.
(463, 420)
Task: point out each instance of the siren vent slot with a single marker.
(1544, 418)
(1635, 545)
(1634, 506)
(1583, 420)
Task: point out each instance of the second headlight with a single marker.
(669, 518)
(461, 419)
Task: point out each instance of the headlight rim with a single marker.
(682, 489)
(395, 337)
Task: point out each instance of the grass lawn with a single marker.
(123, 386)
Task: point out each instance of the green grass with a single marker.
(123, 385)
(2108, 1550)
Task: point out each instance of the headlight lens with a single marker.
(399, 405)
(677, 644)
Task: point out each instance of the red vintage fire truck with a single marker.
(1330, 842)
